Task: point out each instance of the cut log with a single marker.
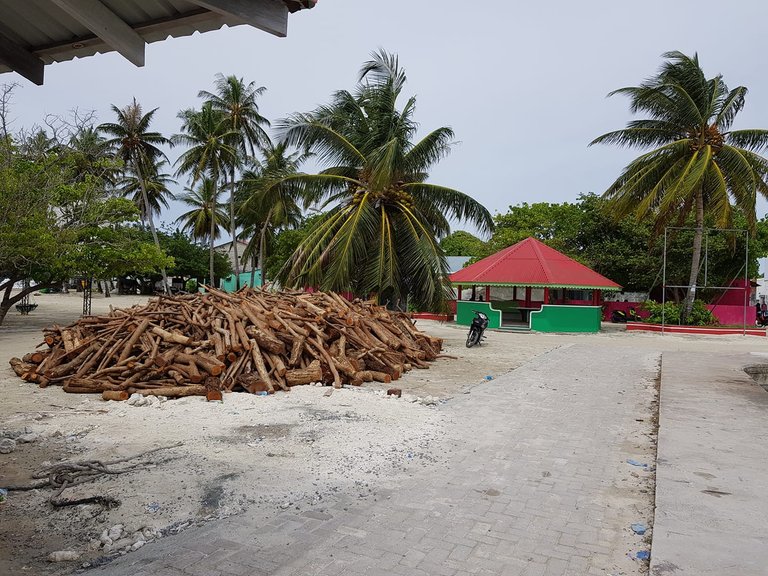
(171, 391)
(298, 376)
(261, 369)
(207, 363)
(172, 337)
(138, 331)
(252, 383)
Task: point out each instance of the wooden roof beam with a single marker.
(21, 60)
(108, 26)
(268, 15)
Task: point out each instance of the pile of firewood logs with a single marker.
(203, 344)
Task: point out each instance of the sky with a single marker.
(522, 84)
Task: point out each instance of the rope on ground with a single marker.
(67, 474)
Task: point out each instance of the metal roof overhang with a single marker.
(34, 33)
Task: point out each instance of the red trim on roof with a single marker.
(531, 262)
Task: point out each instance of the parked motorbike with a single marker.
(761, 318)
(622, 317)
(476, 329)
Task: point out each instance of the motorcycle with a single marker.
(761, 318)
(476, 329)
(622, 317)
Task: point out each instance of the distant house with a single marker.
(229, 283)
(228, 250)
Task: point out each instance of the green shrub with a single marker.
(700, 315)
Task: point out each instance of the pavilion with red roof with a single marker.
(522, 278)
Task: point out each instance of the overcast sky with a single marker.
(523, 84)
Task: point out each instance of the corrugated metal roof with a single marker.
(531, 263)
(49, 32)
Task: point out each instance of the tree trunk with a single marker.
(4, 307)
(8, 301)
(213, 231)
(151, 220)
(698, 238)
(263, 246)
(233, 228)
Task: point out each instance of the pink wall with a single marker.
(609, 307)
(735, 297)
(726, 314)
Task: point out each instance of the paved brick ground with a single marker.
(527, 487)
(711, 507)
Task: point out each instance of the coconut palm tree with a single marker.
(202, 219)
(696, 163)
(37, 144)
(90, 151)
(138, 148)
(236, 100)
(158, 190)
(381, 231)
(265, 205)
(209, 153)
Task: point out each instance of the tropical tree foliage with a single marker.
(462, 243)
(210, 151)
(138, 147)
(157, 186)
(266, 203)
(236, 101)
(56, 223)
(383, 221)
(190, 258)
(696, 163)
(203, 218)
(283, 244)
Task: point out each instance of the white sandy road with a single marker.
(270, 453)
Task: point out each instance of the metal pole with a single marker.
(664, 285)
(24, 302)
(87, 296)
(748, 287)
(706, 256)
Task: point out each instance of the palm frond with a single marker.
(453, 203)
(754, 140)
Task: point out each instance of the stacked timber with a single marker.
(253, 341)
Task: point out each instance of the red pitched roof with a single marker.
(531, 263)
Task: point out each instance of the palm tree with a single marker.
(37, 144)
(89, 151)
(158, 190)
(696, 162)
(382, 229)
(203, 220)
(209, 154)
(137, 147)
(236, 100)
(265, 204)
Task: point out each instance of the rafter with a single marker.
(268, 15)
(106, 25)
(21, 60)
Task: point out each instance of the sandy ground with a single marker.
(296, 448)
